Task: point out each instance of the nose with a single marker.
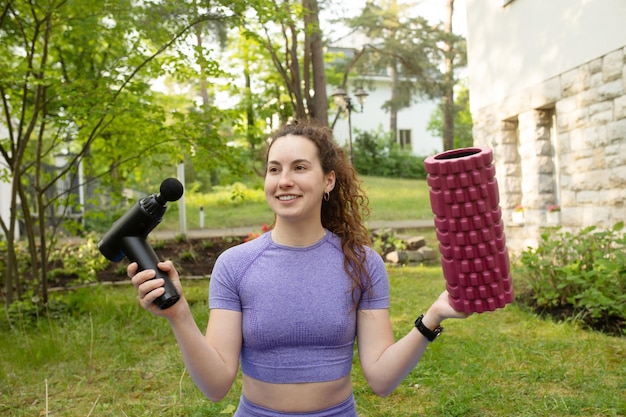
(285, 180)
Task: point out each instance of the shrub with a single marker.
(377, 154)
(253, 235)
(581, 272)
(82, 261)
(236, 194)
(22, 261)
(386, 241)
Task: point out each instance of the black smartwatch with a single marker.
(428, 334)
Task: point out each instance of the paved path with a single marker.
(244, 231)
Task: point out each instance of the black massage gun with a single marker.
(127, 236)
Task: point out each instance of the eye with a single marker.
(300, 167)
(272, 169)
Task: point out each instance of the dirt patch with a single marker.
(192, 258)
(611, 325)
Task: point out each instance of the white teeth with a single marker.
(286, 197)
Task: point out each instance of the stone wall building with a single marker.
(557, 120)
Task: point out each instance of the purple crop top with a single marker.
(299, 324)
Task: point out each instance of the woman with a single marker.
(290, 303)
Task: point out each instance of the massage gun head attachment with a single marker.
(155, 204)
(171, 190)
(140, 220)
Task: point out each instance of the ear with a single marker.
(330, 182)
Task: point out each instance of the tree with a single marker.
(384, 27)
(76, 81)
(290, 33)
(462, 121)
(257, 89)
(448, 84)
(314, 62)
(411, 49)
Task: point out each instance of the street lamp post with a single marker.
(344, 102)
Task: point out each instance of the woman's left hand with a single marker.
(440, 310)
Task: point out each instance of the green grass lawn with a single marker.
(397, 199)
(111, 358)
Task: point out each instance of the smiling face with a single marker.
(295, 182)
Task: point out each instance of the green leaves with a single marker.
(76, 80)
(583, 271)
(378, 154)
(412, 43)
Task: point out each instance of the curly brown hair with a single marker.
(344, 211)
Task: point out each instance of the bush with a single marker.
(236, 194)
(387, 241)
(68, 262)
(377, 154)
(22, 263)
(82, 261)
(583, 273)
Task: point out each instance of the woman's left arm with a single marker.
(384, 361)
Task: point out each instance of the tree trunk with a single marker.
(249, 108)
(393, 111)
(448, 99)
(206, 100)
(318, 109)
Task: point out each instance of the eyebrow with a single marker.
(297, 161)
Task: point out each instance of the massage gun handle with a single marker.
(138, 250)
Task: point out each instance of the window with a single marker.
(404, 138)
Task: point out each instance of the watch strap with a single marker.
(431, 335)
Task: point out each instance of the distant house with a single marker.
(412, 121)
(547, 82)
(67, 184)
(5, 188)
(5, 200)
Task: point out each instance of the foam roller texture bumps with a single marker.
(465, 200)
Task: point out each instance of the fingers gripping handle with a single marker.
(138, 250)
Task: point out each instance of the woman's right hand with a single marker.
(149, 289)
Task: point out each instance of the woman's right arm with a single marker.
(211, 359)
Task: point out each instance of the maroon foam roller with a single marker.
(465, 200)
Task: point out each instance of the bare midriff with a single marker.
(297, 398)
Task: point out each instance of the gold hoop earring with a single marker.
(326, 196)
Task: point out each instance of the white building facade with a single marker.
(5, 200)
(547, 83)
(5, 188)
(412, 122)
